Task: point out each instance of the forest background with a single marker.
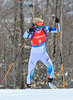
(16, 17)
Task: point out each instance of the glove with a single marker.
(57, 20)
(31, 5)
(31, 29)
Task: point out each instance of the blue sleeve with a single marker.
(26, 34)
(52, 30)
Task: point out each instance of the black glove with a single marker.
(31, 29)
(57, 20)
(31, 5)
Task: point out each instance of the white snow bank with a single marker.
(36, 94)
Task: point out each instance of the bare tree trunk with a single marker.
(21, 18)
(32, 10)
(52, 35)
(61, 23)
(5, 68)
(22, 40)
(14, 52)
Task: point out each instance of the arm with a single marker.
(53, 30)
(28, 32)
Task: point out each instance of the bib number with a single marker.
(39, 41)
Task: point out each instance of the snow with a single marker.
(36, 94)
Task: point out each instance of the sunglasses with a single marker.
(39, 26)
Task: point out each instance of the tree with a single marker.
(22, 32)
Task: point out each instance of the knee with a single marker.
(48, 60)
(31, 66)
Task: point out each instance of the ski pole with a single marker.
(61, 60)
(14, 60)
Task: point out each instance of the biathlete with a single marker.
(38, 36)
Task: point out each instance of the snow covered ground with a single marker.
(36, 94)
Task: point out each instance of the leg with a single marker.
(47, 61)
(31, 66)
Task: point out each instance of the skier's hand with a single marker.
(31, 29)
(57, 20)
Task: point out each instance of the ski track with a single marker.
(36, 94)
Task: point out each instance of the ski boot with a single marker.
(50, 83)
(28, 86)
